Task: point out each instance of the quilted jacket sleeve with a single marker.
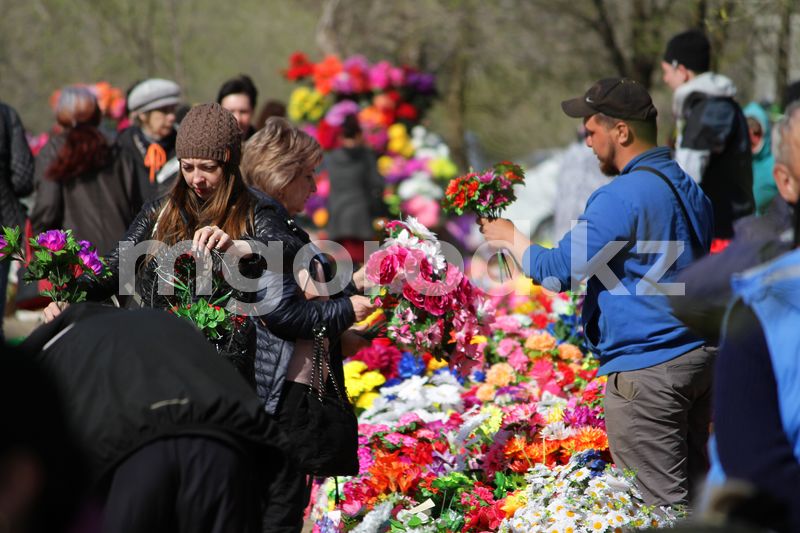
(287, 313)
(139, 231)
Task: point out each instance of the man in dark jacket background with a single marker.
(16, 181)
(713, 144)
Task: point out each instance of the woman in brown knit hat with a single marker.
(211, 208)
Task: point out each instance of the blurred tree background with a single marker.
(503, 66)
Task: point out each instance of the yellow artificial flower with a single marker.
(435, 364)
(397, 131)
(555, 414)
(366, 400)
(385, 164)
(514, 501)
(478, 339)
(372, 379)
(353, 369)
(442, 168)
(492, 424)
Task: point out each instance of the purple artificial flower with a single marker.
(3, 244)
(421, 82)
(91, 260)
(85, 245)
(339, 111)
(53, 240)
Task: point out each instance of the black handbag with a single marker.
(324, 427)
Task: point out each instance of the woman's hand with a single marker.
(362, 307)
(359, 278)
(210, 238)
(54, 309)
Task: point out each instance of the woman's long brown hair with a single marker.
(230, 208)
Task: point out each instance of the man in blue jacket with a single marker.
(635, 235)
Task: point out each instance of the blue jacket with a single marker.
(773, 292)
(628, 322)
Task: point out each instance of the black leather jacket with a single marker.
(292, 316)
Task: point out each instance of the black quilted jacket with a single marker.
(292, 316)
(16, 168)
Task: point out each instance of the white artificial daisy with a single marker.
(419, 229)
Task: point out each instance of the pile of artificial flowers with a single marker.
(390, 102)
(517, 444)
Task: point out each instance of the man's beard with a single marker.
(607, 165)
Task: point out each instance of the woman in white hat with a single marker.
(147, 149)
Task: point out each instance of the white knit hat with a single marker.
(153, 94)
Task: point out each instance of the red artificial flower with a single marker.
(328, 135)
(299, 67)
(406, 111)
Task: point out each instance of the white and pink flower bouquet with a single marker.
(430, 306)
(56, 257)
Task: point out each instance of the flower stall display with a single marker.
(518, 443)
(54, 256)
(431, 307)
(390, 101)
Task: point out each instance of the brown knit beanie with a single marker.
(209, 132)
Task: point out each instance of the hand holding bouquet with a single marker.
(485, 194)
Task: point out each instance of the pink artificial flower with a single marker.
(417, 299)
(53, 240)
(518, 360)
(507, 324)
(91, 260)
(436, 305)
(506, 346)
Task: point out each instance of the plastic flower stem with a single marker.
(222, 298)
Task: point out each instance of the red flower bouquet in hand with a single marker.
(486, 193)
(430, 305)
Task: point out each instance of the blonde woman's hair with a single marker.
(277, 154)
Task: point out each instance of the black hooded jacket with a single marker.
(129, 377)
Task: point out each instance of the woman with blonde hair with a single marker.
(76, 187)
(280, 161)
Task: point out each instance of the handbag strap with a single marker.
(321, 358)
(695, 241)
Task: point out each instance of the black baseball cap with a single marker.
(621, 98)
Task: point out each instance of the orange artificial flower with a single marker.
(541, 342)
(570, 352)
(500, 375)
(590, 438)
(325, 71)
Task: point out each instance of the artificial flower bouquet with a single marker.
(229, 332)
(430, 306)
(57, 257)
(486, 193)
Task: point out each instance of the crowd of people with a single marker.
(687, 254)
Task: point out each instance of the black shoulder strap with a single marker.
(696, 243)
